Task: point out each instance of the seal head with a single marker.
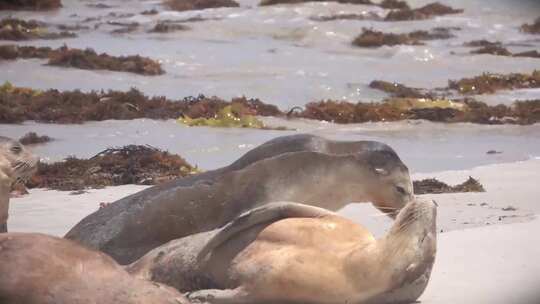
(17, 164)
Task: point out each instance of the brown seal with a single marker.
(301, 168)
(290, 253)
(16, 164)
(40, 269)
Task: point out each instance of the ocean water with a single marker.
(280, 55)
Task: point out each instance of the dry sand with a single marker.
(485, 254)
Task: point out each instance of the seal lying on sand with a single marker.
(342, 173)
(35, 268)
(16, 164)
(292, 253)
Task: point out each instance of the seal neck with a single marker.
(404, 256)
(410, 245)
(311, 178)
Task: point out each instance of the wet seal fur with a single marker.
(288, 253)
(40, 269)
(301, 168)
(16, 164)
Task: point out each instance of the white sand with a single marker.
(478, 260)
(494, 264)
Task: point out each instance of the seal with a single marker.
(36, 268)
(292, 168)
(288, 253)
(16, 165)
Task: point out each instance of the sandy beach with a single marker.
(463, 101)
(486, 253)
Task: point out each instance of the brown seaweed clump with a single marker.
(168, 27)
(492, 50)
(371, 38)
(433, 185)
(84, 59)
(496, 48)
(17, 30)
(188, 5)
(31, 138)
(363, 16)
(273, 2)
(533, 28)
(488, 83)
(424, 12)
(395, 109)
(502, 51)
(35, 5)
(395, 4)
(20, 104)
(397, 89)
(133, 164)
(12, 52)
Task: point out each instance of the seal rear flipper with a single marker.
(268, 213)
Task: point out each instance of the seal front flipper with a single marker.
(269, 213)
(220, 296)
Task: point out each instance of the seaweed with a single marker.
(31, 138)
(530, 54)
(397, 89)
(187, 5)
(371, 38)
(394, 4)
(424, 12)
(11, 52)
(482, 43)
(363, 16)
(167, 27)
(36, 5)
(492, 50)
(533, 28)
(235, 115)
(17, 30)
(436, 110)
(502, 51)
(150, 12)
(273, 2)
(52, 106)
(20, 104)
(99, 5)
(490, 83)
(84, 59)
(133, 164)
(496, 48)
(435, 186)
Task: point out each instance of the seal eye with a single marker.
(16, 149)
(401, 190)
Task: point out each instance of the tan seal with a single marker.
(40, 269)
(16, 165)
(317, 257)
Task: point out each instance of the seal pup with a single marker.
(16, 165)
(290, 253)
(40, 269)
(127, 229)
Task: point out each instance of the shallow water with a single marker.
(423, 146)
(278, 54)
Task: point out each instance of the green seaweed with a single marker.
(231, 116)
